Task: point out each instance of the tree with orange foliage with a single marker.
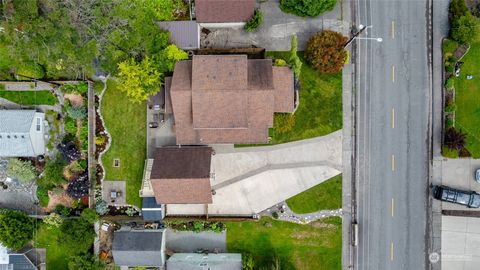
(325, 51)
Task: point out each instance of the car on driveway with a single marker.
(470, 199)
(477, 175)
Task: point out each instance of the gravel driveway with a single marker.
(17, 196)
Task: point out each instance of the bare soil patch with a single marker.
(58, 198)
(75, 99)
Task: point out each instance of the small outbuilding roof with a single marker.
(211, 261)
(151, 211)
(184, 34)
(138, 247)
(224, 11)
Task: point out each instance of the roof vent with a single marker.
(15, 136)
(23, 136)
(8, 136)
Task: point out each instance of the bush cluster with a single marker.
(255, 22)
(325, 51)
(307, 8)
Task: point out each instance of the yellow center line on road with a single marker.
(393, 73)
(393, 206)
(393, 163)
(391, 251)
(393, 29)
(393, 118)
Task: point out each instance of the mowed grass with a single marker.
(316, 246)
(324, 196)
(320, 109)
(467, 98)
(126, 122)
(43, 97)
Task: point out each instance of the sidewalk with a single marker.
(440, 30)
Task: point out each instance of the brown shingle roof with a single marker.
(215, 110)
(220, 11)
(182, 175)
(181, 162)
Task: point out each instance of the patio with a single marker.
(113, 192)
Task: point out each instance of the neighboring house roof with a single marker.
(224, 11)
(184, 34)
(21, 133)
(14, 261)
(182, 175)
(151, 211)
(138, 248)
(195, 261)
(228, 98)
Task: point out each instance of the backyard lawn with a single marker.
(324, 196)
(29, 97)
(320, 109)
(316, 246)
(126, 122)
(58, 249)
(467, 99)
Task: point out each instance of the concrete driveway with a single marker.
(278, 27)
(460, 243)
(460, 174)
(249, 180)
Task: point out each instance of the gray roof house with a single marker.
(211, 261)
(22, 133)
(184, 34)
(139, 248)
(28, 260)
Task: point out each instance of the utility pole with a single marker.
(362, 28)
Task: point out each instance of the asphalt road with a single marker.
(393, 104)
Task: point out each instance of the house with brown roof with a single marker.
(179, 175)
(223, 13)
(219, 99)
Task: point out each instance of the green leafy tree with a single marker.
(457, 9)
(294, 60)
(16, 229)
(21, 170)
(89, 215)
(325, 51)
(465, 28)
(53, 220)
(84, 261)
(78, 232)
(255, 22)
(53, 174)
(307, 8)
(248, 262)
(138, 80)
(169, 56)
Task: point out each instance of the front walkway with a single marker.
(247, 181)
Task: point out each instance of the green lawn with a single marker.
(316, 246)
(467, 98)
(320, 109)
(126, 122)
(324, 196)
(58, 251)
(29, 97)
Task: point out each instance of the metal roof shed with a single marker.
(184, 34)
